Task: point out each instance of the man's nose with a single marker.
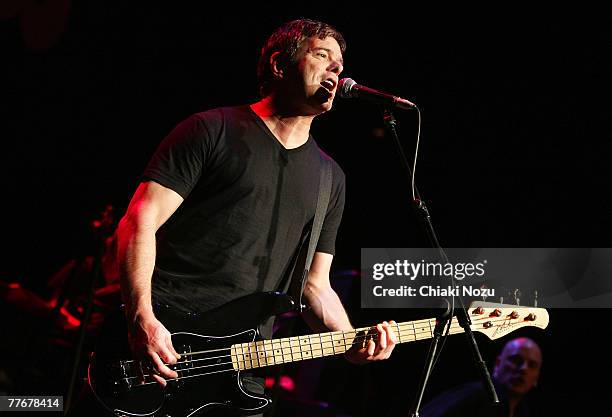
(335, 67)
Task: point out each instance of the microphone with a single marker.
(348, 88)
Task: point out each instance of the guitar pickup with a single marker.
(183, 365)
(123, 376)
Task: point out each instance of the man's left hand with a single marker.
(374, 348)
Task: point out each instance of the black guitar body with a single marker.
(207, 378)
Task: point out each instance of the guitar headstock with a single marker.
(497, 320)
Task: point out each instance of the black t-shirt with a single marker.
(248, 202)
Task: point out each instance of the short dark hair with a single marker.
(288, 40)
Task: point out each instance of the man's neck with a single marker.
(290, 129)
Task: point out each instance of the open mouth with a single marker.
(328, 84)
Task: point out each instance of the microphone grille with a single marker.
(345, 85)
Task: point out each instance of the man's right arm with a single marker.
(150, 207)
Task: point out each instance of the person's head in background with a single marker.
(517, 367)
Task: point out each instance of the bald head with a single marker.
(518, 365)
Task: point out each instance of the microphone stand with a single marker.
(442, 321)
(102, 230)
(94, 276)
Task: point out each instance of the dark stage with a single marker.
(514, 153)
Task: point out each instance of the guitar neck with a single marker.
(298, 348)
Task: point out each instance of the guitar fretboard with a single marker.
(298, 348)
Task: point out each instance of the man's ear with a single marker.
(275, 65)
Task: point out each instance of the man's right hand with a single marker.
(151, 344)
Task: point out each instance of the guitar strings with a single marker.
(357, 338)
(411, 333)
(403, 333)
(426, 322)
(221, 371)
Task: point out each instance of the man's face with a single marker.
(316, 76)
(518, 366)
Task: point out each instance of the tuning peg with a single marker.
(517, 296)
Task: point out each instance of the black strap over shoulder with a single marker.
(325, 186)
(304, 259)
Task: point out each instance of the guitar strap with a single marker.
(298, 279)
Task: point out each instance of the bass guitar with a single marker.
(218, 347)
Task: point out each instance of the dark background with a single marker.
(514, 147)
